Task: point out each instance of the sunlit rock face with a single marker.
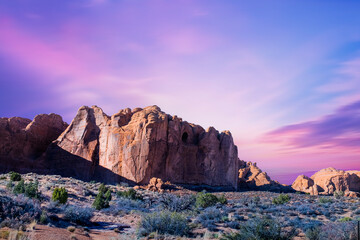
(23, 142)
(140, 144)
(329, 180)
(132, 145)
(252, 177)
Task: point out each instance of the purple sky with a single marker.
(282, 76)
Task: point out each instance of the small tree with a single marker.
(60, 195)
(20, 187)
(31, 190)
(103, 198)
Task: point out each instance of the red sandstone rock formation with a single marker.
(329, 180)
(23, 142)
(132, 145)
(144, 143)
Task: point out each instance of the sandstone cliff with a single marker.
(24, 142)
(329, 180)
(132, 145)
(143, 143)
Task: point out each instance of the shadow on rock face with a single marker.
(66, 164)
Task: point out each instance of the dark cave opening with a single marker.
(184, 137)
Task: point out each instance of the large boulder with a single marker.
(24, 142)
(139, 144)
(329, 180)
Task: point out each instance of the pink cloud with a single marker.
(54, 59)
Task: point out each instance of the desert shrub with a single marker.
(313, 233)
(306, 209)
(205, 200)
(127, 205)
(233, 224)
(175, 203)
(281, 199)
(78, 214)
(18, 211)
(130, 194)
(256, 200)
(60, 195)
(260, 229)
(338, 231)
(209, 217)
(338, 194)
(43, 218)
(14, 176)
(20, 187)
(164, 222)
(222, 199)
(103, 198)
(325, 200)
(345, 219)
(31, 190)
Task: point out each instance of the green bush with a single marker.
(325, 200)
(345, 219)
(222, 199)
(103, 198)
(281, 199)
(60, 195)
(164, 222)
(20, 187)
(31, 190)
(130, 194)
(205, 200)
(14, 176)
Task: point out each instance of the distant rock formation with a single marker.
(251, 177)
(329, 180)
(131, 145)
(23, 142)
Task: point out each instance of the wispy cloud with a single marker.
(340, 129)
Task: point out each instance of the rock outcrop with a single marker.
(329, 180)
(251, 177)
(24, 142)
(131, 145)
(140, 144)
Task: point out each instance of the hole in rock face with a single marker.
(184, 137)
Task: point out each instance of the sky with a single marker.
(282, 76)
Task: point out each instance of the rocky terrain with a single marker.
(140, 174)
(131, 146)
(176, 213)
(329, 180)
